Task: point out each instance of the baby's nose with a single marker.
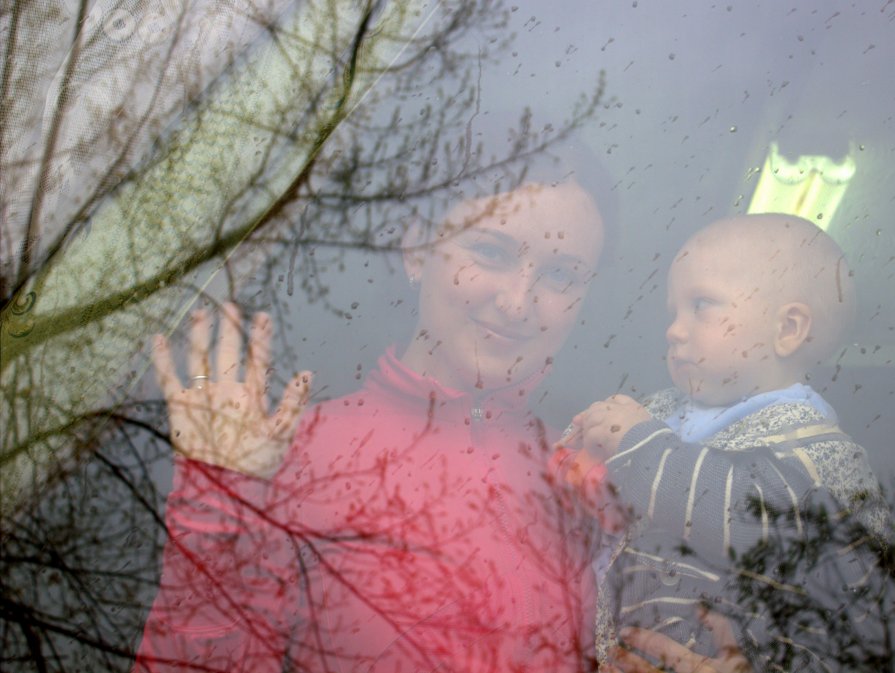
(675, 332)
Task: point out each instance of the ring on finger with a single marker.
(199, 378)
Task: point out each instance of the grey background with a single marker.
(696, 92)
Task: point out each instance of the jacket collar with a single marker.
(393, 376)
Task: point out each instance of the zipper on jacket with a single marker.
(525, 604)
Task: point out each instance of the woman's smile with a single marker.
(503, 333)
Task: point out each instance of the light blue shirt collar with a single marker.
(694, 422)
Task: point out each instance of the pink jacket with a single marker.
(412, 528)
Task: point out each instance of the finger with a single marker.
(259, 358)
(721, 628)
(593, 440)
(574, 471)
(726, 641)
(571, 437)
(595, 415)
(230, 344)
(163, 363)
(594, 411)
(671, 653)
(609, 668)
(560, 462)
(200, 337)
(628, 662)
(295, 399)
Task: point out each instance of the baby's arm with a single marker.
(708, 503)
(711, 497)
(775, 535)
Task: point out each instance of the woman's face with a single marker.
(502, 285)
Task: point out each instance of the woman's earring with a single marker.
(412, 279)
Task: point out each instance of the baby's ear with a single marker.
(793, 328)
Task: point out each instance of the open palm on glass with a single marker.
(218, 418)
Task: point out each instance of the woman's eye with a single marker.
(488, 252)
(560, 276)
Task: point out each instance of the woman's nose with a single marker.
(515, 294)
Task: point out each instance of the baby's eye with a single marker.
(701, 303)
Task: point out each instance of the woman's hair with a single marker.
(500, 152)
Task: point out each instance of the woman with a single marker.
(411, 526)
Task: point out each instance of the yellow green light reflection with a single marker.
(811, 187)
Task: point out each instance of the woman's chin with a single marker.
(502, 374)
(478, 365)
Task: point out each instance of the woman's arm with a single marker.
(228, 573)
(227, 578)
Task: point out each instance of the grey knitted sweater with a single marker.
(776, 521)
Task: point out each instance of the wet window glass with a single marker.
(464, 336)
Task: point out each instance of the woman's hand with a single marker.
(677, 657)
(219, 419)
(599, 428)
(589, 441)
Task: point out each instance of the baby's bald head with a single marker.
(788, 259)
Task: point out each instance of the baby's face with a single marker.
(721, 336)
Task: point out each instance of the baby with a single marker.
(731, 480)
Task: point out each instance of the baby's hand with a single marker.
(599, 428)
